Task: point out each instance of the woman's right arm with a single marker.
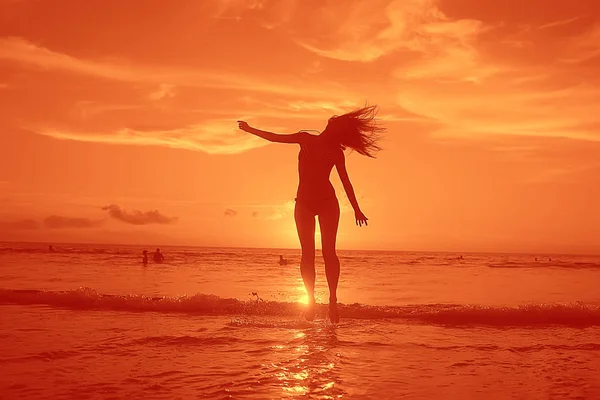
(298, 137)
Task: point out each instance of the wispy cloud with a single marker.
(422, 60)
(164, 90)
(560, 22)
(551, 113)
(431, 44)
(366, 30)
(213, 137)
(281, 211)
(584, 47)
(20, 50)
(136, 217)
(136, 112)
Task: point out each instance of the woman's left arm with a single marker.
(343, 173)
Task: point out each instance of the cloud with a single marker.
(429, 43)
(137, 217)
(132, 107)
(22, 224)
(22, 51)
(452, 64)
(212, 136)
(565, 112)
(561, 22)
(366, 30)
(233, 9)
(584, 47)
(283, 210)
(60, 222)
(164, 91)
(354, 30)
(230, 213)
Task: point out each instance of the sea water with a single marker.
(91, 321)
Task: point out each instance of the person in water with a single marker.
(316, 196)
(158, 256)
(282, 261)
(145, 257)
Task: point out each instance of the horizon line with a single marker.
(298, 248)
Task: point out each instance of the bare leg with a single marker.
(305, 224)
(328, 222)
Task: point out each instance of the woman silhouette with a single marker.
(356, 130)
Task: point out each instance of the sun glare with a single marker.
(303, 296)
(303, 299)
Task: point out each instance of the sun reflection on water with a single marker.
(311, 366)
(303, 296)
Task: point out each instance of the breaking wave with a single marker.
(568, 314)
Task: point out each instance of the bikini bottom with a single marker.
(317, 206)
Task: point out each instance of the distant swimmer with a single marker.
(145, 257)
(50, 249)
(158, 256)
(282, 261)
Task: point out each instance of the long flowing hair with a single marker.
(358, 130)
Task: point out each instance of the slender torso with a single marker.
(315, 162)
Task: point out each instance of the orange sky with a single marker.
(118, 120)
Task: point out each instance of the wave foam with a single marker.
(570, 314)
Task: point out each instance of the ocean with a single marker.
(92, 322)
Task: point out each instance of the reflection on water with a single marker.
(313, 368)
(303, 295)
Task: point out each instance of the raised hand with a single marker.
(361, 218)
(243, 125)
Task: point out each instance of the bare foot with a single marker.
(334, 317)
(309, 315)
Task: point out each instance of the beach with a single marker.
(91, 321)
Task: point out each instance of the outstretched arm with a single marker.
(343, 173)
(273, 137)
